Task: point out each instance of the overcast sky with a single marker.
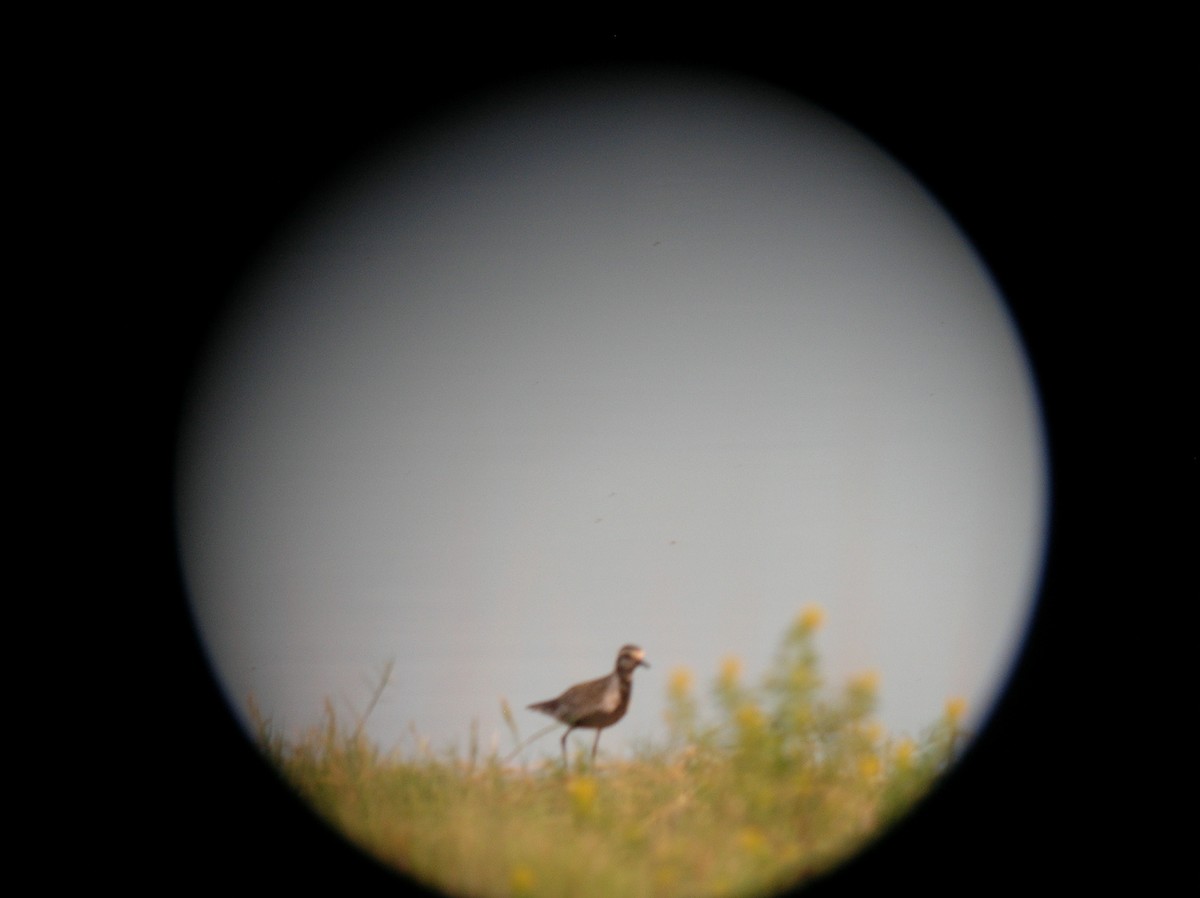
(657, 360)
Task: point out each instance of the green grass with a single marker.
(775, 783)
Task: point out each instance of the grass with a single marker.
(774, 784)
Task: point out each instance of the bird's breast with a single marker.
(611, 700)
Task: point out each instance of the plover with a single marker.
(596, 704)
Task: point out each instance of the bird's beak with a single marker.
(643, 662)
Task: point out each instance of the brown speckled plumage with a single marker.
(598, 703)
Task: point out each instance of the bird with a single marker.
(597, 703)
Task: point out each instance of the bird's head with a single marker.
(630, 657)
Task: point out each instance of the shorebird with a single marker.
(596, 704)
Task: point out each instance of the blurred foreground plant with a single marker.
(778, 782)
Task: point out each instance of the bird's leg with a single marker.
(564, 745)
(595, 745)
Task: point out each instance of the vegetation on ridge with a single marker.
(776, 783)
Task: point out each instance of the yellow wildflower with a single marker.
(521, 879)
(867, 682)
(906, 749)
(749, 718)
(666, 878)
(752, 841)
(956, 708)
(680, 683)
(731, 670)
(869, 767)
(583, 794)
(811, 618)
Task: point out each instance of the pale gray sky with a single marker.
(657, 360)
